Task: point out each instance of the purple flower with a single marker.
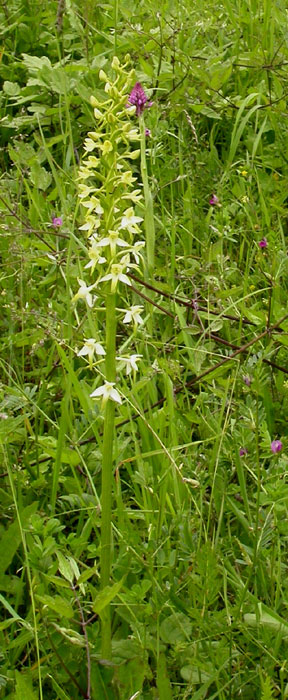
(263, 243)
(276, 446)
(247, 380)
(139, 98)
(57, 221)
(147, 132)
(243, 451)
(214, 200)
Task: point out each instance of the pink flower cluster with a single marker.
(139, 98)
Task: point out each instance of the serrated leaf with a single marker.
(34, 63)
(10, 88)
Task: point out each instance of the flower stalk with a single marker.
(106, 191)
(107, 471)
(149, 213)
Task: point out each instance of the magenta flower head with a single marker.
(147, 132)
(57, 221)
(214, 200)
(247, 380)
(276, 446)
(263, 243)
(243, 451)
(139, 98)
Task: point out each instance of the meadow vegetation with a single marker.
(144, 369)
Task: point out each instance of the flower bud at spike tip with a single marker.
(102, 76)
(139, 98)
(115, 63)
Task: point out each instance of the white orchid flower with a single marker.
(84, 292)
(112, 240)
(89, 348)
(135, 251)
(129, 221)
(107, 391)
(133, 315)
(116, 275)
(95, 256)
(130, 363)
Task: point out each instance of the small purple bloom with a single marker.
(276, 446)
(57, 221)
(243, 451)
(263, 243)
(147, 132)
(214, 200)
(247, 380)
(139, 98)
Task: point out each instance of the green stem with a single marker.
(107, 470)
(149, 215)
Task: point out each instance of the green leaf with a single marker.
(163, 683)
(24, 690)
(14, 615)
(65, 567)
(220, 75)
(104, 597)
(175, 628)
(34, 63)
(60, 693)
(40, 177)
(11, 89)
(11, 539)
(87, 574)
(57, 604)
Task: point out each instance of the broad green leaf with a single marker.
(220, 75)
(163, 683)
(87, 574)
(267, 618)
(65, 567)
(104, 597)
(24, 689)
(175, 628)
(11, 89)
(40, 177)
(57, 604)
(34, 63)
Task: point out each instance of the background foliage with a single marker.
(199, 589)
